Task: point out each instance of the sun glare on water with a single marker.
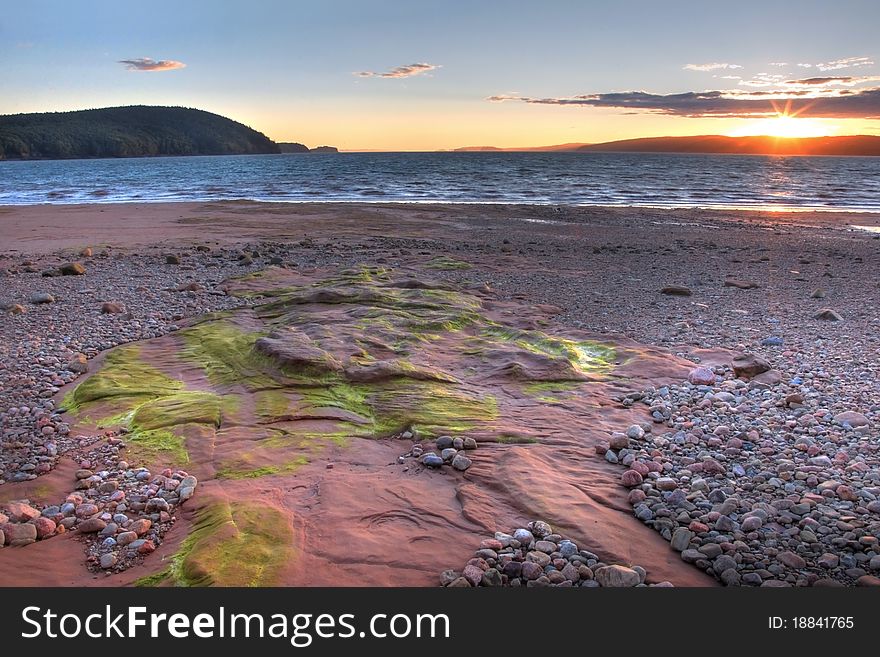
(784, 126)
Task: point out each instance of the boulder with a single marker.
(749, 365)
(72, 269)
(676, 290)
(617, 576)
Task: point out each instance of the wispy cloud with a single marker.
(150, 64)
(712, 66)
(847, 62)
(405, 71)
(837, 103)
(778, 64)
(763, 80)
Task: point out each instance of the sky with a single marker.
(373, 75)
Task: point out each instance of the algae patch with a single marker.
(231, 544)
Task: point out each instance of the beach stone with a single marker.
(86, 252)
(567, 548)
(819, 293)
(676, 290)
(512, 569)
(730, 577)
(618, 441)
(447, 577)
(617, 576)
(828, 560)
(41, 298)
(18, 534)
(461, 462)
(472, 574)
(828, 315)
(432, 460)
(631, 478)
(460, 583)
(723, 563)
(78, 364)
(91, 525)
(108, 560)
(540, 529)
(111, 308)
(692, 556)
(458, 443)
(740, 284)
(751, 524)
(125, 538)
(470, 443)
(172, 259)
(749, 365)
(141, 526)
(868, 580)
(635, 432)
(681, 539)
(45, 527)
(768, 378)
(524, 536)
(72, 269)
(791, 560)
(448, 454)
(545, 546)
(666, 483)
(531, 571)
(701, 376)
(852, 418)
(16, 309)
(444, 442)
(491, 578)
(21, 512)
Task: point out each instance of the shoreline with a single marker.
(767, 210)
(597, 272)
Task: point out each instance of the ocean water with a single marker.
(619, 179)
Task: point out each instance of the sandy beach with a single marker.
(687, 395)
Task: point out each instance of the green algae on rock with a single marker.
(230, 544)
(123, 378)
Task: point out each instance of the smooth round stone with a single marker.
(432, 460)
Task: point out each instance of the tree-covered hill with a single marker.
(136, 131)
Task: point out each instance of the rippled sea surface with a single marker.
(727, 181)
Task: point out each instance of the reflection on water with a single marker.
(656, 179)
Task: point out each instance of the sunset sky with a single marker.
(438, 75)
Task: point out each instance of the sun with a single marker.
(785, 126)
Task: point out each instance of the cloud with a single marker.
(778, 64)
(712, 66)
(837, 64)
(848, 62)
(150, 64)
(836, 103)
(763, 80)
(406, 71)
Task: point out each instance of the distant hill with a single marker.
(294, 147)
(525, 149)
(135, 131)
(760, 145)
